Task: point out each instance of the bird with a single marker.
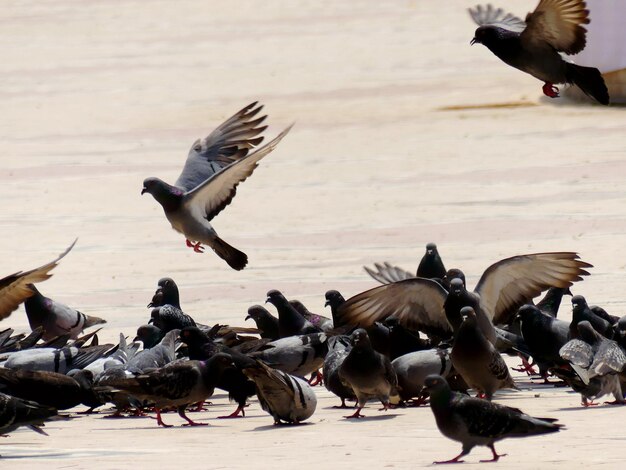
(166, 294)
(15, 288)
(334, 300)
(476, 422)
(285, 397)
(265, 322)
(56, 318)
(552, 300)
(16, 412)
(178, 385)
(430, 267)
(214, 168)
(582, 312)
(419, 303)
(477, 360)
(534, 45)
(290, 321)
(167, 318)
(413, 368)
(319, 321)
(60, 360)
(338, 349)
(368, 373)
(295, 355)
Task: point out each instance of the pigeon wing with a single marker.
(490, 16)
(559, 23)
(608, 359)
(230, 142)
(577, 352)
(510, 283)
(386, 273)
(14, 288)
(417, 303)
(213, 195)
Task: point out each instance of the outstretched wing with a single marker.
(558, 22)
(386, 273)
(508, 284)
(212, 196)
(230, 142)
(417, 303)
(14, 288)
(490, 16)
(577, 352)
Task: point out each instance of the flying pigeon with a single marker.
(214, 168)
(475, 422)
(14, 289)
(534, 46)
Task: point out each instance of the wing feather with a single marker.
(490, 16)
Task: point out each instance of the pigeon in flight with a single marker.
(534, 46)
(214, 168)
(14, 289)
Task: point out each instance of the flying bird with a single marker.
(14, 289)
(208, 183)
(534, 45)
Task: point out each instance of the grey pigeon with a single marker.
(475, 422)
(265, 322)
(534, 46)
(295, 355)
(598, 359)
(321, 322)
(167, 318)
(56, 318)
(413, 368)
(338, 349)
(430, 267)
(178, 384)
(15, 288)
(477, 360)
(286, 397)
(55, 360)
(368, 373)
(155, 357)
(15, 412)
(290, 321)
(214, 168)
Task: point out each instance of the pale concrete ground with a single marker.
(96, 96)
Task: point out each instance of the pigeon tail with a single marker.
(589, 80)
(236, 259)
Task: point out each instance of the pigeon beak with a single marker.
(473, 41)
(151, 321)
(248, 318)
(267, 300)
(327, 303)
(144, 190)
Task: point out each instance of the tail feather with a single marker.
(589, 80)
(236, 259)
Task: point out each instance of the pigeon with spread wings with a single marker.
(214, 168)
(534, 46)
(506, 285)
(14, 289)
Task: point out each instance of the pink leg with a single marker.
(587, 403)
(316, 379)
(197, 247)
(385, 407)
(550, 90)
(525, 366)
(159, 420)
(357, 414)
(454, 460)
(235, 414)
(496, 456)
(181, 412)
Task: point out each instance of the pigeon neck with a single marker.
(170, 197)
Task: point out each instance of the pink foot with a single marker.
(235, 414)
(316, 379)
(197, 247)
(159, 420)
(550, 90)
(356, 415)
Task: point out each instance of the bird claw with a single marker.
(316, 379)
(495, 458)
(356, 415)
(550, 90)
(197, 247)
(443, 462)
(193, 423)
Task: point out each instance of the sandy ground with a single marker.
(393, 147)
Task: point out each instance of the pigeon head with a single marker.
(192, 335)
(359, 339)
(149, 335)
(217, 364)
(299, 306)
(333, 298)
(468, 313)
(275, 297)
(167, 195)
(438, 389)
(431, 249)
(578, 303)
(452, 274)
(457, 286)
(391, 322)
(587, 333)
(490, 36)
(257, 312)
(528, 311)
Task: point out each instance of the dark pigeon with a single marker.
(475, 422)
(166, 294)
(15, 288)
(533, 46)
(290, 321)
(582, 312)
(401, 340)
(150, 335)
(15, 412)
(551, 301)
(56, 318)
(430, 267)
(265, 321)
(334, 300)
(178, 385)
(168, 318)
(338, 349)
(477, 360)
(285, 397)
(208, 183)
(321, 322)
(368, 373)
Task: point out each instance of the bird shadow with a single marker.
(274, 427)
(365, 418)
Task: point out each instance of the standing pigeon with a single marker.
(533, 46)
(369, 373)
(15, 412)
(413, 368)
(55, 318)
(476, 359)
(168, 318)
(214, 168)
(290, 321)
(285, 397)
(338, 349)
(265, 321)
(430, 267)
(166, 293)
(475, 422)
(15, 288)
(296, 355)
(582, 312)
